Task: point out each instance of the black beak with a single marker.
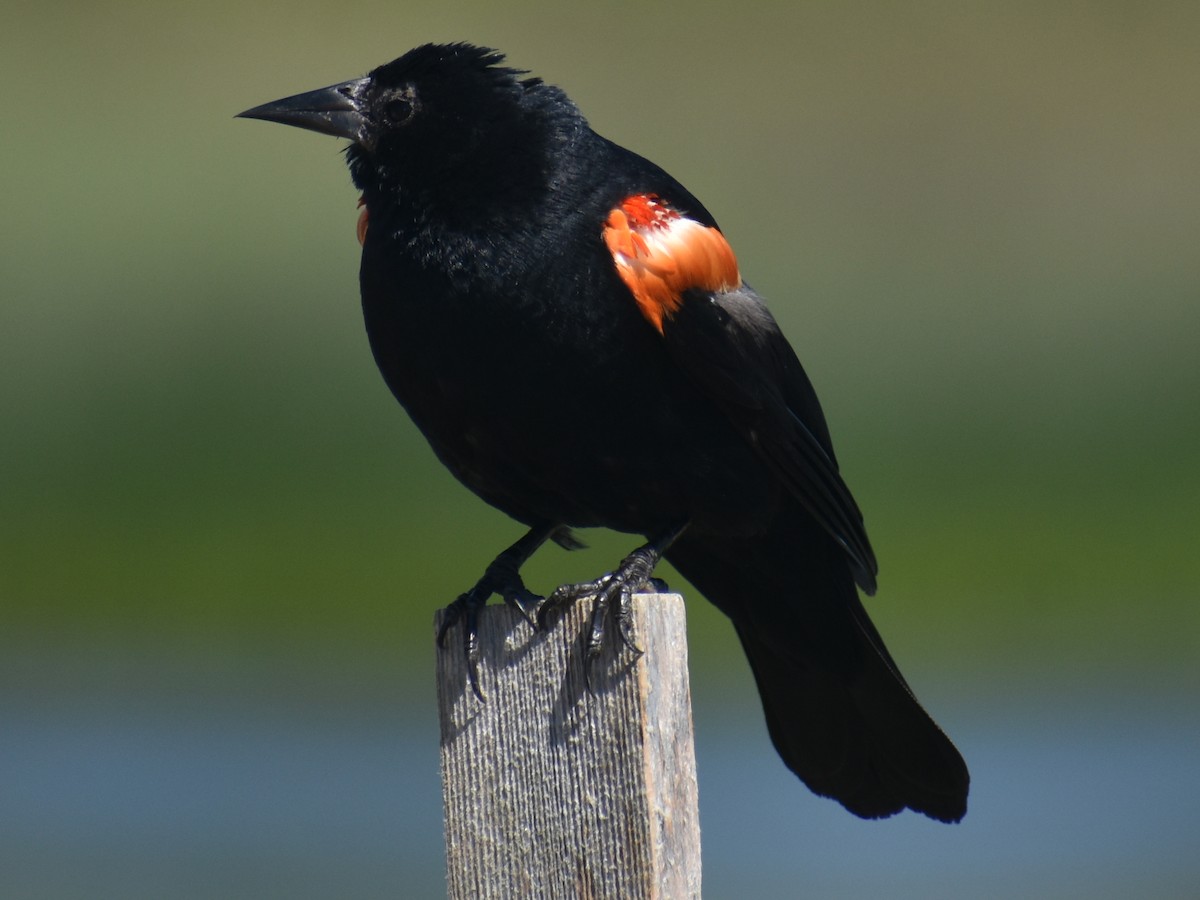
(335, 110)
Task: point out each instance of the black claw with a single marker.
(527, 603)
(559, 597)
(635, 571)
(595, 641)
(471, 643)
(473, 678)
(604, 592)
(466, 609)
(502, 577)
(625, 622)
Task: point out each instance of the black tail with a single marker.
(838, 710)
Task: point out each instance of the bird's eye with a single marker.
(401, 107)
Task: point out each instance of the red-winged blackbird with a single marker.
(569, 329)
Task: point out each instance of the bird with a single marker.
(568, 327)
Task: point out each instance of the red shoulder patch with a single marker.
(660, 253)
(363, 219)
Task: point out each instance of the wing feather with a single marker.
(684, 278)
(729, 343)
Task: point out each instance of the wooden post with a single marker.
(557, 792)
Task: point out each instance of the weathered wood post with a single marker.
(557, 792)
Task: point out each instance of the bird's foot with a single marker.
(502, 577)
(496, 580)
(612, 592)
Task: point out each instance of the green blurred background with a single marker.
(978, 225)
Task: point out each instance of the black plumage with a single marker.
(658, 399)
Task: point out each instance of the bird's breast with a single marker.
(552, 397)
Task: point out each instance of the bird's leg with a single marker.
(502, 577)
(634, 571)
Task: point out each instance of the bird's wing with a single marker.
(684, 278)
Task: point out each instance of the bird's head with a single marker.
(443, 125)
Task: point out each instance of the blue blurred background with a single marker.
(221, 542)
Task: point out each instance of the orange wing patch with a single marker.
(363, 218)
(660, 253)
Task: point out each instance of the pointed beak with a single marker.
(335, 110)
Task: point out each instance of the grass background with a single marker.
(977, 226)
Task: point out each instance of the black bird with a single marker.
(568, 327)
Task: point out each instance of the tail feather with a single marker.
(866, 743)
(838, 710)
